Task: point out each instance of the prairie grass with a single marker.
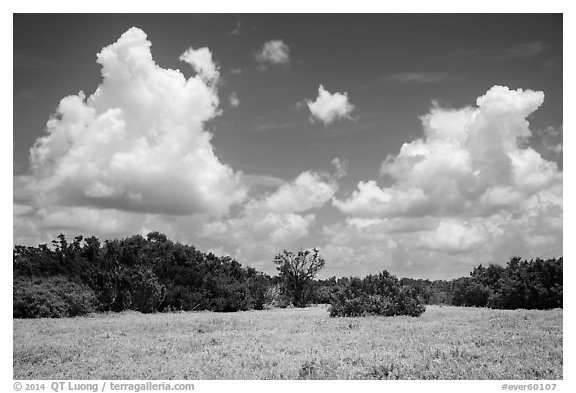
(444, 343)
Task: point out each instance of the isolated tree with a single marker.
(297, 272)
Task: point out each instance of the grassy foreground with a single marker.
(444, 343)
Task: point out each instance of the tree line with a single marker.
(533, 284)
(146, 274)
(155, 274)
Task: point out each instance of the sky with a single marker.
(416, 143)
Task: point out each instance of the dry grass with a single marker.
(444, 343)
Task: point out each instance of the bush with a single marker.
(321, 295)
(51, 297)
(375, 295)
(375, 305)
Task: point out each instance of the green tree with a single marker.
(297, 272)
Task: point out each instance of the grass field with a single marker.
(444, 343)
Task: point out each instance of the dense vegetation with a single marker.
(142, 274)
(380, 294)
(534, 284)
(152, 273)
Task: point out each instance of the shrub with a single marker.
(321, 295)
(375, 305)
(51, 297)
(379, 294)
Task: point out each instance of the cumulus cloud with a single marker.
(274, 221)
(370, 200)
(454, 235)
(307, 191)
(138, 143)
(274, 52)
(255, 225)
(470, 161)
(328, 107)
(470, 190)
(441, 247)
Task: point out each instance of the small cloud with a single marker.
(551, 138)
(236, 71)
(201, 60)
(233, 99)
(274, 52)
(557, 148)
(341, 167)
(307, 191)
(237, 29)
(329, 107)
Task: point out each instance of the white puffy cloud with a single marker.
(445, 247)
(370, 200)
(328, 107)
(470, 161)
(307, 191)
(201, 60)
(274, 52)
(454, 235)
(138, 143)
(255, 225)
(274, 221)
(470, 191)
